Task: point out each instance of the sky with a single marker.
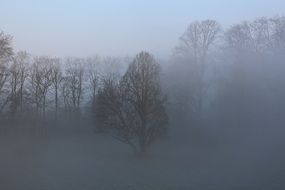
(117, 27)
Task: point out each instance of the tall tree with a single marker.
(192, 55)
(133, 109)
(198, 39)
(18, 72)
(56, 81)
(93, 76)
(73, 84)
(42, 81)
(6, 52)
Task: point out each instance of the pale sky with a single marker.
(117, 27)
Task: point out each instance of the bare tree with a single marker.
(6, 49)
(73, 84)
(198, 39)
(193, 52)
(248, 45)
(254, 37)
(279, 31)
(4, 94)
(93, 76)
(24, 61)
(56, 81)
(14, 83)
(18, 73)
(42, 81)
(6, 52)
(133, 109)
(66, 95)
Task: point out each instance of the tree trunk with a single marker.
(142, 137)
(56, 102)
(44, 107)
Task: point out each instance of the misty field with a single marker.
(142, 95)
(96, 161)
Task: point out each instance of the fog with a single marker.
(197, 107)
(112, 28)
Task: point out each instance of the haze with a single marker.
(111, 27)
(142, 95)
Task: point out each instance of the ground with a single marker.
(96, 161)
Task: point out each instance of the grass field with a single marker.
(95, 161)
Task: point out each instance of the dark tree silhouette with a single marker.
(133, 109)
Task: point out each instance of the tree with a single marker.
(198, 39)
(73, 85)
(191, 56)
(6, 49)
(42, 81)
(250, 47)
(6, 52)
(133, 109)
(56, 81)
(93, 76)
(256, 37)
(279, 31)
(18, 73)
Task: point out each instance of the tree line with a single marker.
(216, 76)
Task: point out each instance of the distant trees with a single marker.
(42, 80)
(93, 77)
(56, 81)
(6, 52)
(132, 109)
(6, 49)
(191, 58)
(279, 31)
(258, 36)
(73, 85)
(198, 39)
(216, 74)
(252, 49)
(18, 73)
(225, 63)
